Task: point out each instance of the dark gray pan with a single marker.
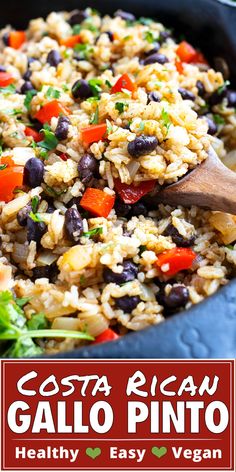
(207, 330)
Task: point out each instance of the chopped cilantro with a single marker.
(109, 127)
(229, 246)
(93, 232)
(87, 24)
(53, 93)
(35, 217)
(65, 88)
(8, 90)
(22, 301)
(14, 328)
(95, 117)
(145, 21)
(142, 248)
(165, 120)
(141, 126)
(85, 50)
(3, 166)
(218, 119)
(121, 106)
(223, 87)
(149, 36)
(108, 84)
(127, 38)
(92, 99)
(28, 99)
(35, 203)
(76, 29)
(50, 141)
(95, 85)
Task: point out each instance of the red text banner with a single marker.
(117, 415)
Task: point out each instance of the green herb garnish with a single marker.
(121, 106)
(93, 232)
(149, 37)
(21, 302)
(35, 203)
(223, 87)
(8, 90)
(76, 29)
(50, 141)
(14, 328)
(3, 166)
(109, 127)
(35, 217)
(165, 120)
(108, 84)
(145, 21)
(85, 50)
(95, 85)
(95, 117)
(53, 93)
(38, 321)
(218, 119)
(65, 88)
(28, 99)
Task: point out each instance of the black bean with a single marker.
(126, 303)
(177, 297)
(77, 17)
(50, 209)
(5, 39)
(142, 145)
(73, 224)
(49, 272)
(130, 272)
(231, 98)
(177, 238)
(54, 58)
(2, 69)
(154, 97)
(26, 87)
(88, 168)
(164, 35)
(157, 57)
(201, 88)
(139, 208)
(36, 123)
(122, 209)
(212, 127)
(153, 50)
(186, 94)
(23, 214)
(33, 172)
(35, 230)
(125, 15)
(217, 97)
(62, 128)
(27, 74)
(81, 89)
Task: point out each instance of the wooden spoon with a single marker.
(210, 185)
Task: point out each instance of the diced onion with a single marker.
(46, 258)
(66, 323)
(94, 324)
(133, 168)
(22, 154)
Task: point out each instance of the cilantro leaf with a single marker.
(35, 217)
(29, 97)
(95, 117)
(8, 90)
(219, 120)
(93, 232)
(108, 83)
(76, 29)
(3, 166)
(53, 93)
(34, 203)
(95, 85)
(165, 120)
(84, 50)
(50, 141)
(38, 321)
(121, 106)
(145, 21)
(21, 302)
(223, 87)
(149, 37)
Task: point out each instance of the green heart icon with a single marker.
(93, 453)
(159, 451)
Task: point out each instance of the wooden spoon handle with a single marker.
(210, 185)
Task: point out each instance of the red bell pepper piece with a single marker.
(124, 82)
(34, 134)
(179, 66)
(107, 335)
(185, 51)
(8, 161)
(177, 259)
(71, 41)
(6, 79)
(93, 133)
(10, 178)
(16, 39)
(97, 202)
(50, 109)
(133, 192)
(63, 156)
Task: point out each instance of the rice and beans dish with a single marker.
(96, 115)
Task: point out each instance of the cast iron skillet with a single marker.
(207, 330)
